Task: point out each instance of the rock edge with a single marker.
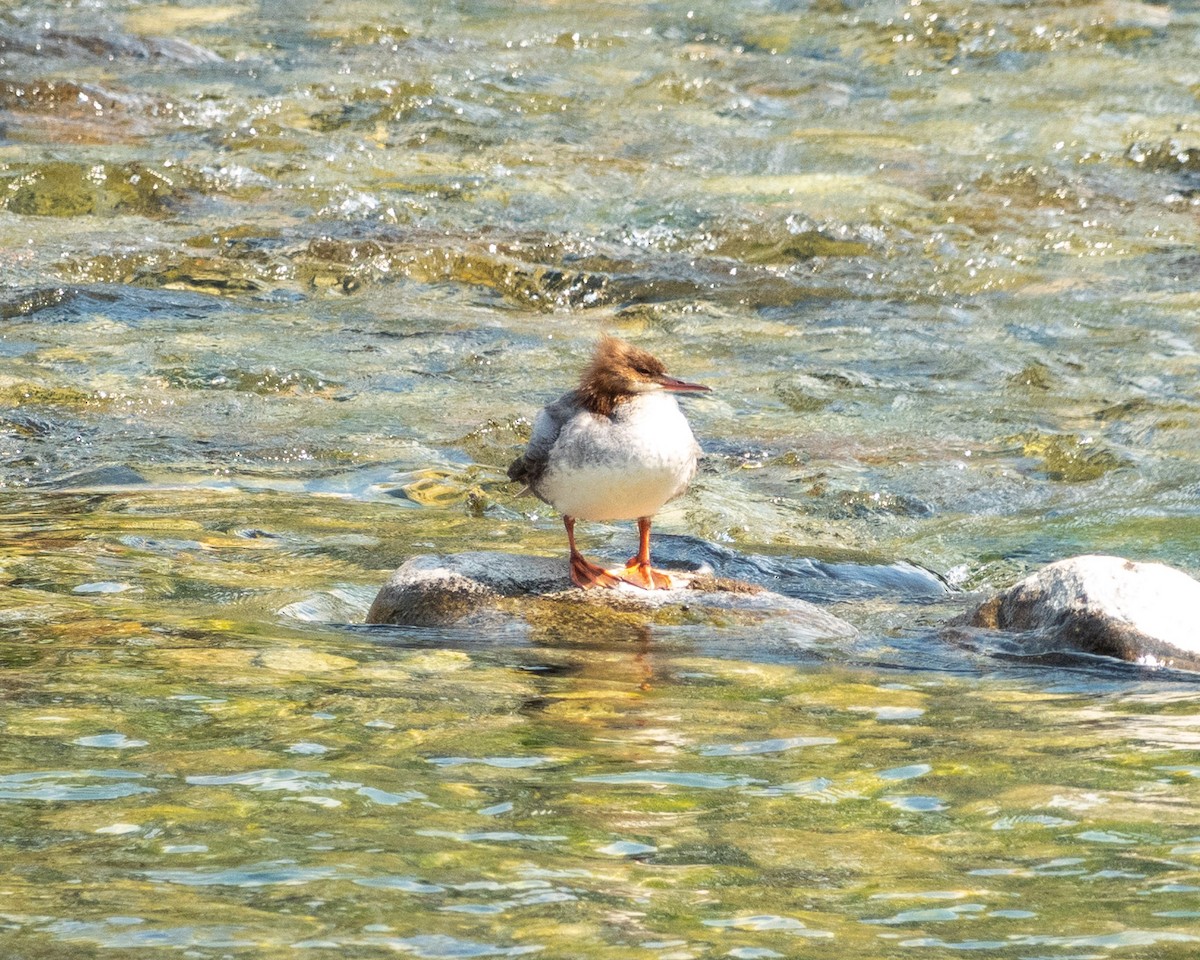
(1108, 606)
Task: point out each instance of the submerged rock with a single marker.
(480, 588)
(108, 46)
(92, 478)
(61, 188)
(1142, 612)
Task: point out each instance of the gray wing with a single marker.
(529, 467)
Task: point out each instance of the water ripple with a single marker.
(915, 804)
(492, 836)
(387, 798)
(507, 763)
(820, 789)
(308, 749)
(110, 741)
(669, 778)
(1108, 836)
(1031, 820)
(892, 713)
(403, 884)
(626, 848)
(753, 747)
(118, 932)
(50, 785)
(105, 586)
(771, 924)
(906, 773)
(438, 946)
(301, 781)
(274, 873)
(1125, 938)
(930, 915)
(535, 898)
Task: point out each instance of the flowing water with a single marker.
(283, 285)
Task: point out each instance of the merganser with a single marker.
(616, 448)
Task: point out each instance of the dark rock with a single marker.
(118, 301)
(108, 46)
(1141, 612)
(481, 588)
(805, 578)
(112, 475)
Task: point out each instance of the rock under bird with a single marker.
(616, 448)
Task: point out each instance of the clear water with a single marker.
(283, 284)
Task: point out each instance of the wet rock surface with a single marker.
(1108, 606)
(480, 588)
(802, 577)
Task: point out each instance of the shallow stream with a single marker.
(283, 285)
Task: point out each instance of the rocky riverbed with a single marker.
(1098, 606)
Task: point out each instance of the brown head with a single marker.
(620, 371)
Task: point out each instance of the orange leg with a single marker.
(638, 570)
(584, 573)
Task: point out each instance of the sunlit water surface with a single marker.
(282, 287)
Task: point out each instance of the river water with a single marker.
(283, 286)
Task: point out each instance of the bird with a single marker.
(615, 448)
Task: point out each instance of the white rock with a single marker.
(1143, 612)
(484, 589)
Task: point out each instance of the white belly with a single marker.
(621, 469)
(605, 493)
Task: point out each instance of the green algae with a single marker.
(1068, 458)
(64, 189)
(30, 395)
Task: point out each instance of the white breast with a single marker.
(623, 467)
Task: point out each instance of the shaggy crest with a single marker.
(618, 372)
